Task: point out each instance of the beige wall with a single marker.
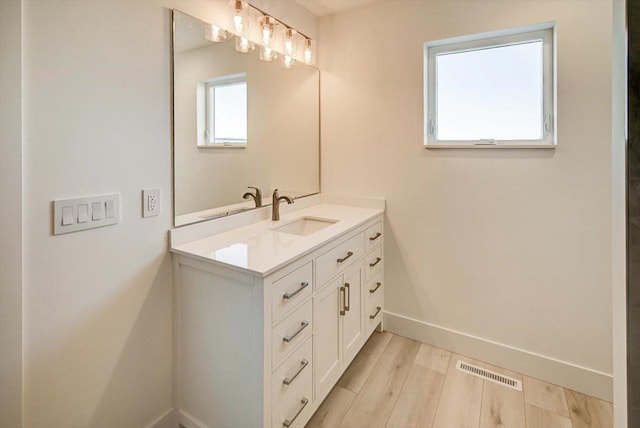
(508, 246)
(10, 214)
(97, 304)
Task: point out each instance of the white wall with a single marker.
(10, 214)
(511, 247)
(97, 304)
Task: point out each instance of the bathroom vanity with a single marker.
(269, 315)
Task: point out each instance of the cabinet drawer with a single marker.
(373, 236)
(291, 331)
(373, 263)
(291, 290)
(337, 259)
(374, 289)
(295, 371)
(295, 410)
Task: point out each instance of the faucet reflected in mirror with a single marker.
(275, 205)
(257, 198)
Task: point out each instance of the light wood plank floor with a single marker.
(398, 382)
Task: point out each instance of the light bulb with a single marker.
(238, 24)
(308, 53)
(289, 42)
(216, 34)
(287, 61)
(267, 30)
(238, 21)
(243, 44)
(267, 54)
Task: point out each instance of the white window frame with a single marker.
(544, 32)
(206, 116)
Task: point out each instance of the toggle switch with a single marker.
(110, 209)
(67, 216)
(83, 213)
(97, 211)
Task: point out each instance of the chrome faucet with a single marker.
(257, 198)
(275, 205)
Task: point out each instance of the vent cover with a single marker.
(489, 375)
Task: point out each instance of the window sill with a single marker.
(222, 146)
(490, 146)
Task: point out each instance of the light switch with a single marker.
(87, 212)
(97, 211)
(67, 216)
(109, 210)
(83, 213)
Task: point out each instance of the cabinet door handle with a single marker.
(378, 259)
(347, 305)
(349, 254)
(373, 238)
(378, 309)
(373, 290)
(303, 325)
(303, 285)
(343, 294)
(287, 380)
(288, 422)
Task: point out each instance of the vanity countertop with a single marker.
(260, 249)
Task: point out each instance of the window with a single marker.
(222, 115)
(491, 90)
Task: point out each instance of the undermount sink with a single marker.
(305, 226)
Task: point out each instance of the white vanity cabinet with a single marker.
(256, 349)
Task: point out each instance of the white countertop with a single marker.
(261, 250)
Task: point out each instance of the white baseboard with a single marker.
(166, 420)
(568, 375)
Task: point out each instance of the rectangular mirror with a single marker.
(239, 122)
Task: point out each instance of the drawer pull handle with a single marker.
(347, 306)
(373, 238)
(349, 254)
(303, 285)
(303, 325)
(378, 259)
(378, 284)
(343, 311)
(378, 309)
(288, 422)
(287, 380)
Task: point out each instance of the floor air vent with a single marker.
(489, 375)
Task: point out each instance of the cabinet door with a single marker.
(353, 325)
(326, 337)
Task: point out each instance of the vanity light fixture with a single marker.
(274, 37)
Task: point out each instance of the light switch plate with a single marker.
(150, 202)
(87, 213)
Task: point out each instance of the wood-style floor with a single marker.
(398, 382)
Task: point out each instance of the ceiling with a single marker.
(328, 7)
